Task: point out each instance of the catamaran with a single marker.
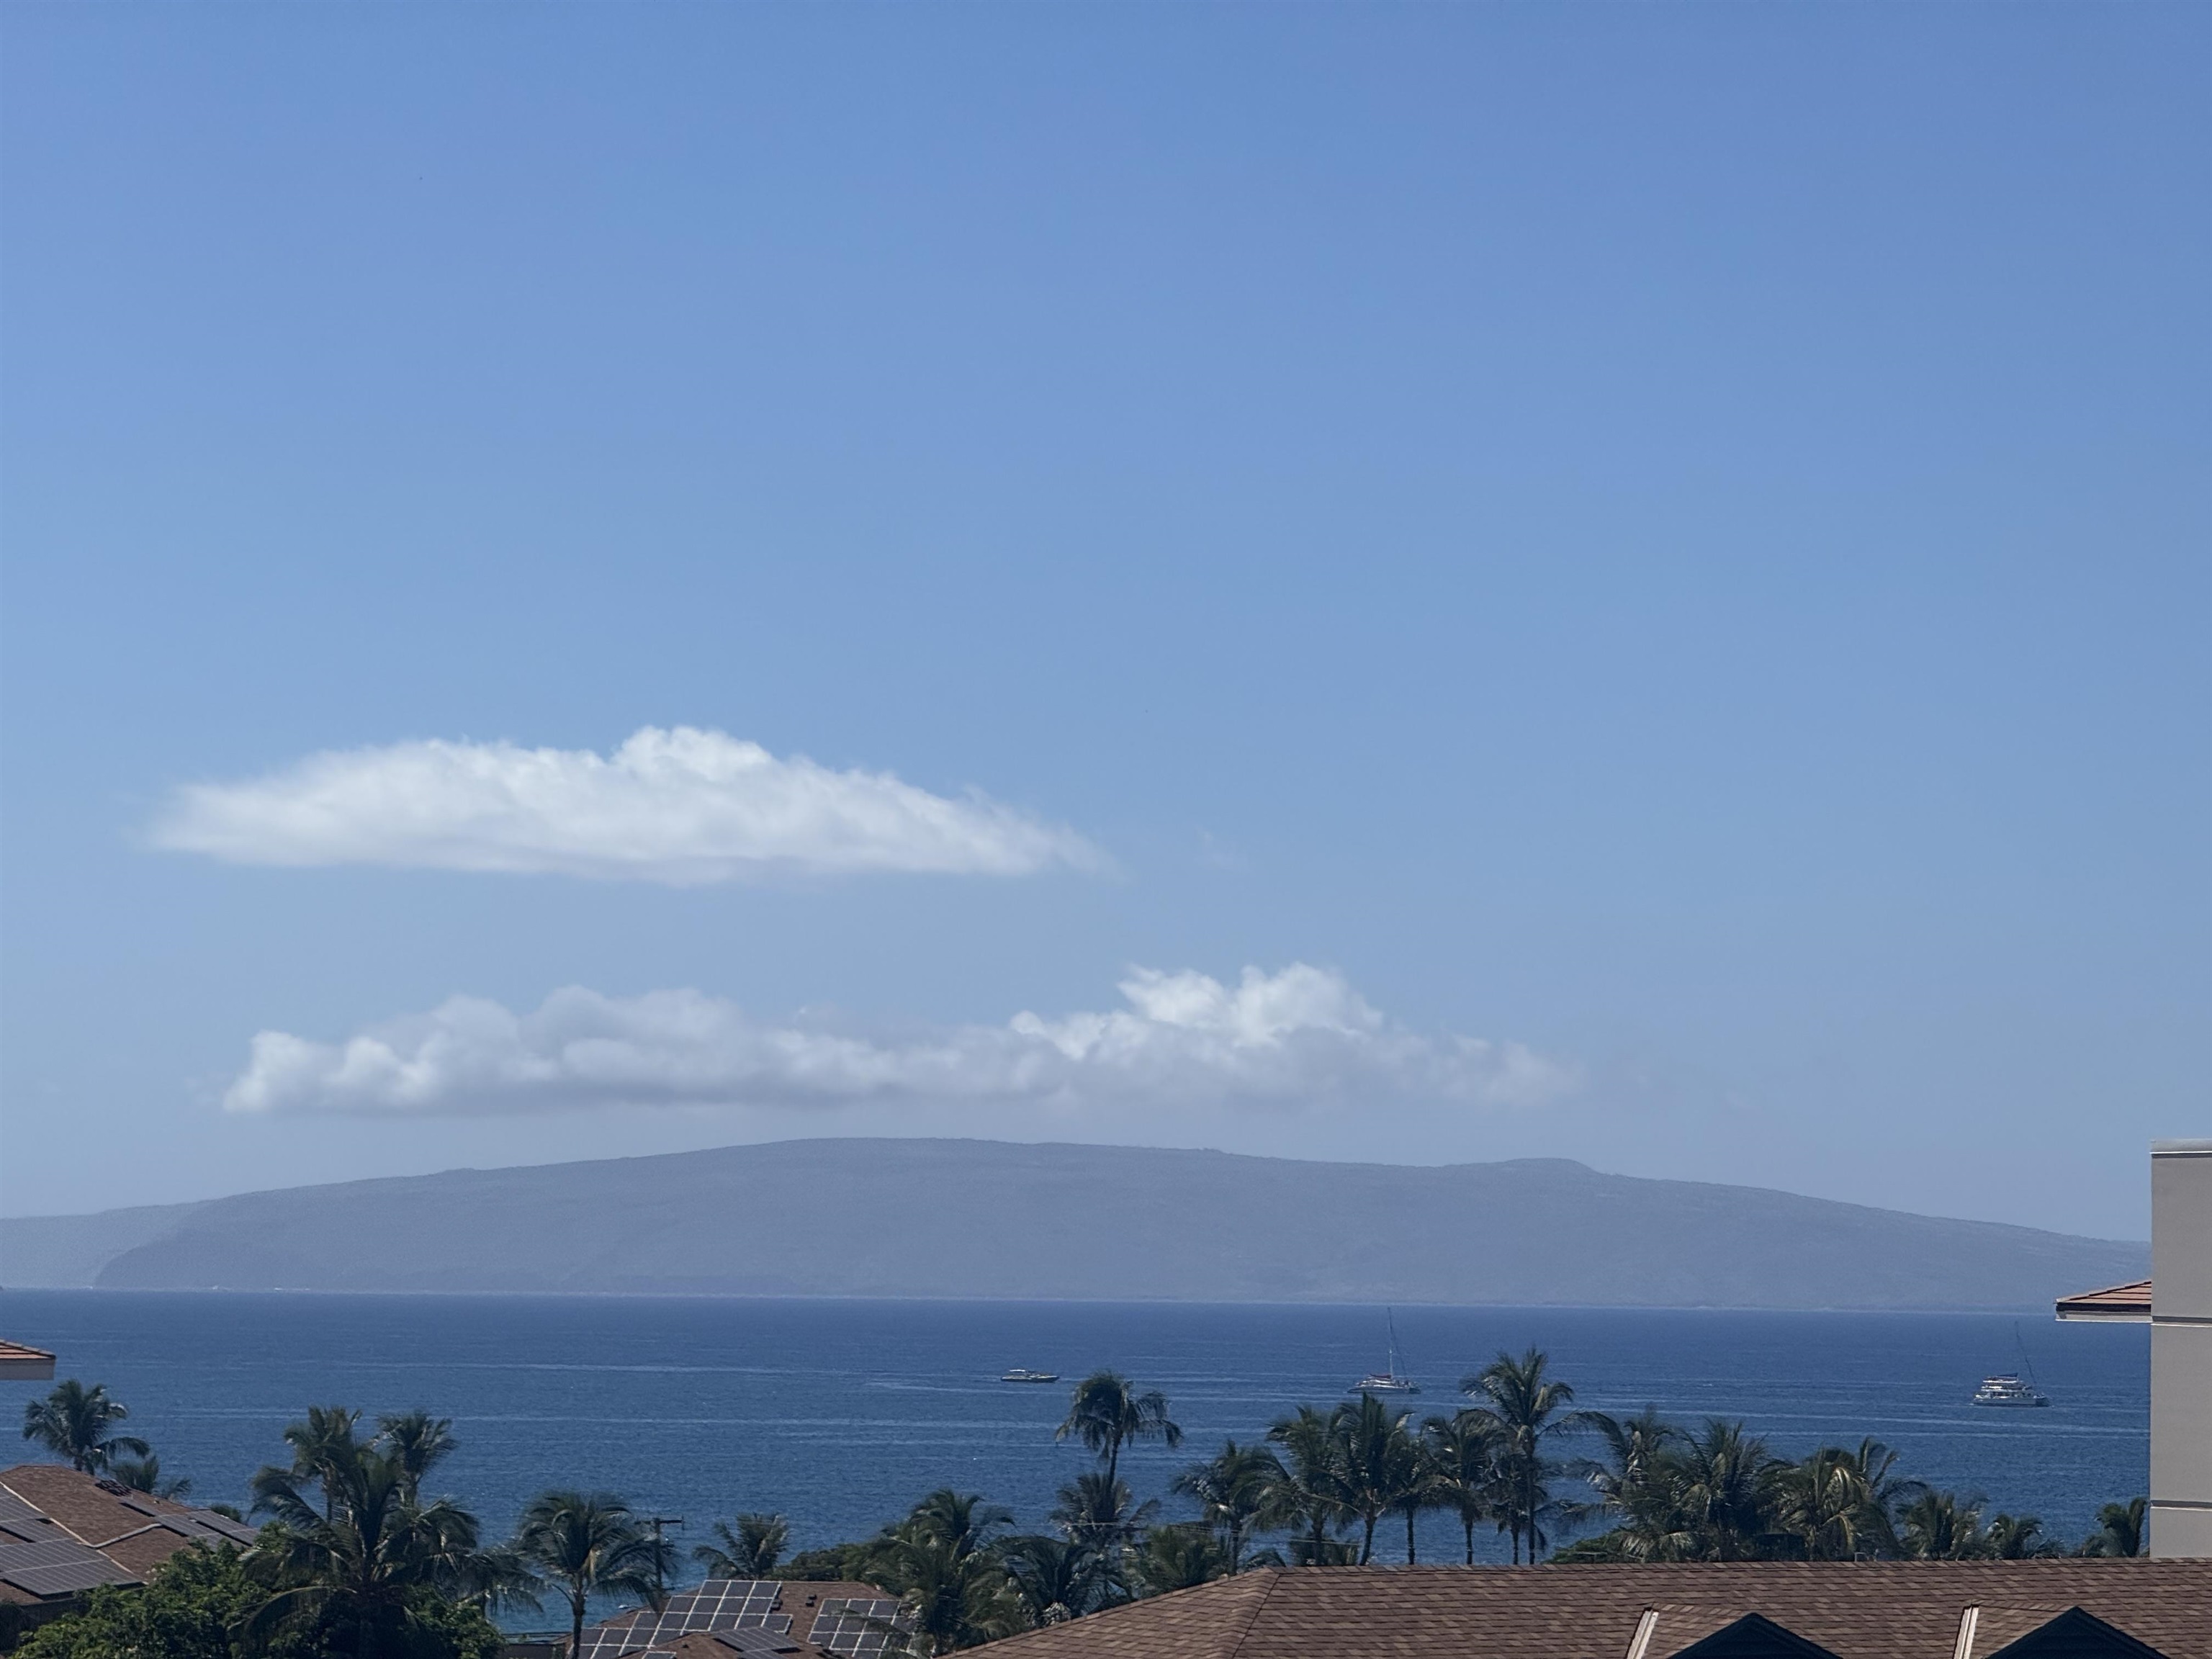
(1024, 1374)
(2006, 1389)
(1390, 1379)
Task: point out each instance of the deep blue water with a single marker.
(840, 1413)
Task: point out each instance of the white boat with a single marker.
(2006, 1389)
(1389, 1379)
(1023, 1374)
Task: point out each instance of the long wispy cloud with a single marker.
(681, 807)
(1299, 1037)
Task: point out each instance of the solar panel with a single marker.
(13, 1508)
(58, 1567)
(64, 1580)
(48, 1552)
(609, 1641)
(718, 1604)
(222, 1526)
(755, 1643)
(857, 1629)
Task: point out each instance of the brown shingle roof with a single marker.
(132, 1529)
(742, 1644)
(1857, 1610)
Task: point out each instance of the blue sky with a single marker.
(1437, 583)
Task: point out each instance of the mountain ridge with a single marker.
(1055, 1220)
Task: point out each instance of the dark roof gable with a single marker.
(1755, 1636)
(2076, 1634)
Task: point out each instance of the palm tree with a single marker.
(1308, 1497)
(1631, 1455)
(1056, 1580)
(1886, 1494)
(1106, 1411)
(2018, 1538)
(1105, 1519)
(1378, 1465)
(1941, 1526)
(323, 1451)
(366, 1559)
(1839, 1504)
(2119, 1530)
(144, 1474)
(1231, 1491)
(495, 1579)
(963, 1521)
(78, 1423)
(588, 1544)
(1421, 1490)
(949, 1601)
(416, 1440)
(1719, 1489)
(1463, 1458)
(940, 1563)
(1526, 1409)
(1179, 1557)
(750, 1550)
(1819, 1504)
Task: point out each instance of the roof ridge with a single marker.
(151, 1526)
(1237, 1643)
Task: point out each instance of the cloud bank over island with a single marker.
(682, 807)
(1301, 1037)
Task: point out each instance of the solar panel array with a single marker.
(58, 1566)
(221, 1525)
(753, 1644)
(857, 1629)
(718, 1604)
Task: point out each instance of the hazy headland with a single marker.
(898, 1218)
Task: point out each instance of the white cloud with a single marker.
(1300, 1037)
(681, 807)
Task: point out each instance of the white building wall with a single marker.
(2181, 1348)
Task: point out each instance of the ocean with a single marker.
(839, 1414)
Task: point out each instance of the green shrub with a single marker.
(194, 1602)
(185, 1610)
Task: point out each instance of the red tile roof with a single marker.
(2115, 1302)
(1857, 1610)
(25, 1363)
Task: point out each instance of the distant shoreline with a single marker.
(1991, 1310)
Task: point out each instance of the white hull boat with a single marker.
(1389, 1379)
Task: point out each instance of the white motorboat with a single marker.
(1023, 1374)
